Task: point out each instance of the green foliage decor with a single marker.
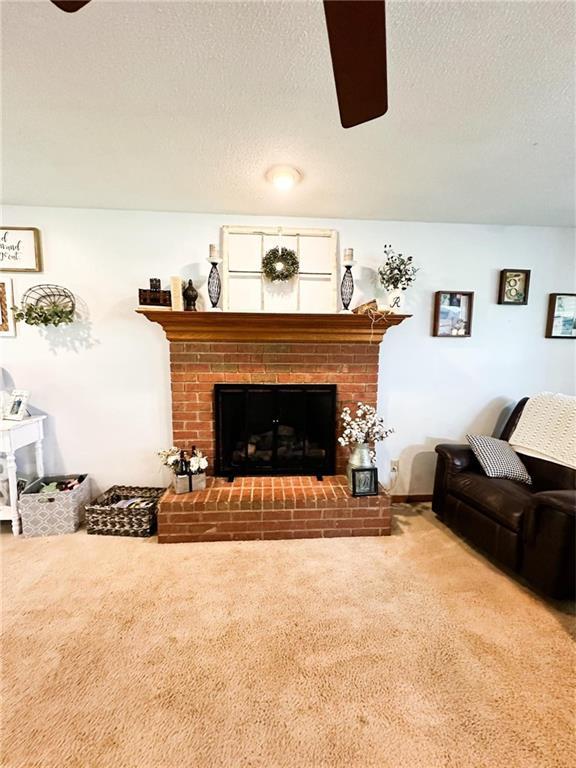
(280, 265)
(35, 314)
(398, 271)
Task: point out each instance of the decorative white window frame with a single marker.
(280, 232)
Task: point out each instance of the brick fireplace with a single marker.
(195, 367)
(260, 349)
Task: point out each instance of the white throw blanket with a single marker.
(547, 429)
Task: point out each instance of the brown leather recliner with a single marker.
(529, 529)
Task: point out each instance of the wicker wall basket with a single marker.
(103, 519)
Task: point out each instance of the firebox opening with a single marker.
(275, 429)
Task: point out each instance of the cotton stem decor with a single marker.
(361, 431)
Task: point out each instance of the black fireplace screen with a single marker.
(275, 429)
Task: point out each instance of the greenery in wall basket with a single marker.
(398, 271)
(280, 265)
(46, 305)
(38, 315)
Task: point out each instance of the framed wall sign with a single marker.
(514, 285)
(561, 323)
(7, 324)
(20, 249)
(453, 313)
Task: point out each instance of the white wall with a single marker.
(104, 381)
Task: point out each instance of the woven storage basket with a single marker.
(105, 520)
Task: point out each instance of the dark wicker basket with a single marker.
(105, 520)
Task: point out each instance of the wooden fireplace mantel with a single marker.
(272, 326)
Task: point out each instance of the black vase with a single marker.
(214, 285)
(190, 295)
(347, 287)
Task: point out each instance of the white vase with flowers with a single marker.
(360, 432)
(396, 275)
(189, 471)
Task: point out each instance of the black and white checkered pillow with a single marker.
(498, 459)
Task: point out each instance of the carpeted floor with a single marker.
(403, 652)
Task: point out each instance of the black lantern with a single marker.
(364, 481)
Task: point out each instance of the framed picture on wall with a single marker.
(453, 313)
(7, 324)
(20, 249)
(514, 285)
(561, 322)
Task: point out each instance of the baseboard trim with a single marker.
(411, 498)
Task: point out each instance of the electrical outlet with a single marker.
(394, 474)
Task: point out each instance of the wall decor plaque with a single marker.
(453, 313)
(561, 321)
(20, 249)
(514, 285)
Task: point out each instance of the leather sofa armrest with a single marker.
(563, 501)
(456, 457)
(547, 505)
(451, 460)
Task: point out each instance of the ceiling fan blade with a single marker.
(70, 6)
(357, 36)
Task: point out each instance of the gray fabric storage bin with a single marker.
(51, 514)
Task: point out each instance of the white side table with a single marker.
(14, 435)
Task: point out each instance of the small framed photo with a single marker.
(514, 285)
(20, 249)
(365, 482)
(15, 405)
(7, 324)
(561, 323)
(453, 313)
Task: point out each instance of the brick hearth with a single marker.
(271, 508)
(196, 366)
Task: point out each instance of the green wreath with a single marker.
(280, 265)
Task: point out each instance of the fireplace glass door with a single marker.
(275, 429)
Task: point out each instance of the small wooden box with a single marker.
(149, 298)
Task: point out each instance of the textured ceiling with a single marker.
(183, 106)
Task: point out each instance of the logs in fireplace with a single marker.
(266, 429)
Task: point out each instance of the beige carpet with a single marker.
(404, 652)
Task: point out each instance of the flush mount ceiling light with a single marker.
(284, 177)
